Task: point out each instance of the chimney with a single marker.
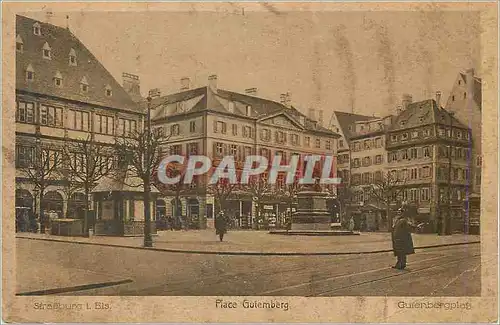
(469, 73)
(320, 117)
(285, 99)
(48, 17)
(131, 83)
(312, 114)
(438, 99)
(212, 82)
(251, 91)
(407, 100)
(185, 83)
(154, 93)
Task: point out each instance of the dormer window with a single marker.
(108, 91)
(19, 44)
(84, 85)
(249, 110)
(72, 57)
(30, 73)
(36, 29)
(46, 51)
(402, 123)
(58, 79)
(231, 107)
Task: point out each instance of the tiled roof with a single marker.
(423, 113)
(346, 121)
(122, 181)
(216, 101)
(476, 88)
(61, 42)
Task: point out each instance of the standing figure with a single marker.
(351, 224)
(402, 243)
(220, 225)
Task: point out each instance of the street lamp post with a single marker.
(39, 165)
(35, 194)
(148, 240)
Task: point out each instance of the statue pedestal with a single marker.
(312, 212)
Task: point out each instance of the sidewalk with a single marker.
(263, 243)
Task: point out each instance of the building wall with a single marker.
(463, 101)
(422, 161)
(56, 137)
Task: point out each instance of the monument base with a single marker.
(314, 232)
(312, 217)
(311, 226)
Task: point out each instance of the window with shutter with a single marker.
(215, 126)
(419, 152)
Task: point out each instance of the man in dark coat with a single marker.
(220, 225)
(402, 243)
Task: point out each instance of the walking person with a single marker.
(170, 223)
(402, 243)
(220, 225)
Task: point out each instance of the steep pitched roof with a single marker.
(61, 42)
(217, 100)
(346, 120)
(423, 113)
(476, 87)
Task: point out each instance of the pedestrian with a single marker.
(220, 225)
(170, 222)
(351, 224)
(402, 243)
(439, 225)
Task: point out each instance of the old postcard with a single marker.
(250, 162)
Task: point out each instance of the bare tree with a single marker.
(258, 187)
(344, 197)
(86, 163)
(222, 191)
(178, 189)
(386, 190)
(40, 168)
(141, 154)
(288, 192)
(70, 185)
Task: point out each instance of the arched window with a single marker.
(36, 29)
(30, 73)
(84, 85)
(58, 79)
(72, 57)
(46, 51)
(19, 44)
(108, 91)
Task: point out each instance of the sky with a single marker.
(356, 61)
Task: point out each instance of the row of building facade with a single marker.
(431, 153)
(64, 94)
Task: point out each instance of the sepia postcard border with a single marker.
(201, 309)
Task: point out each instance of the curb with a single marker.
(169, 250)
(73, 289)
